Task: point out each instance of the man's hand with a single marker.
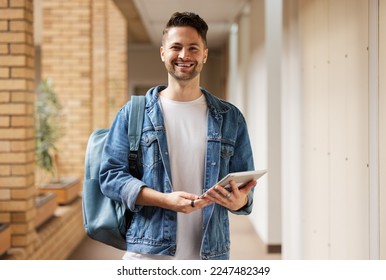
(234, 200)
(177, 201)
(184, 202)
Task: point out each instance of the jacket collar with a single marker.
(216, 105)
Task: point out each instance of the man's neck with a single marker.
(182, 91)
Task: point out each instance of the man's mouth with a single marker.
(183, 65)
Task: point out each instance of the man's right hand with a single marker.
(176, 201)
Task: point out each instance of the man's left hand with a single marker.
(234, 200)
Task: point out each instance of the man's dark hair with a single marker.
(187, 19)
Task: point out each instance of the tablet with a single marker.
(241, 179)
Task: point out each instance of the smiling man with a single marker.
(190, 140)
(184, 51)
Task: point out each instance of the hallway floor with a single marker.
(245, 245)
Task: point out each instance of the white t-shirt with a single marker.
(186, 132)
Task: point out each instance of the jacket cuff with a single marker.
(247, 208)
(130, 193)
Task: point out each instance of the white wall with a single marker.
(336, 148)
(292, 144)
(257, 117)
(382, 126)
(374, 193)
(318, 129)
(343, 157)
(255, 87)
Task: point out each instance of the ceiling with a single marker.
(147, 18)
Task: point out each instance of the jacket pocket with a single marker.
(150, 150)
(227, 151)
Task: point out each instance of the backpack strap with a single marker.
(135, 130)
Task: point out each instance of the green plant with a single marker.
(47, 130)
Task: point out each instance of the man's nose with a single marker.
(183, 54)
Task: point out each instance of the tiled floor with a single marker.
(245, 245)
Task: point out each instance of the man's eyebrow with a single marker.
(179, 44)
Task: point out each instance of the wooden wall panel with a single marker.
(335, 87)
(382, 125)
(314, 20)
(348, 90)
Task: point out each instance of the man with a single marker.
(190, 140)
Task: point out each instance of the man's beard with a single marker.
(183, 76)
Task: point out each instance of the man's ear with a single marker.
(205, 55)
(161, 50)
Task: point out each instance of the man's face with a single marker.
(183, 53)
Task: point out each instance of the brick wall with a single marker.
(117, 60)
(17, 188)
(84, 51)
(99, 62)
(66, 59)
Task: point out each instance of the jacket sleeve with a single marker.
(115, 180)
(243, 160)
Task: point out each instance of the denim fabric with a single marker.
(153, 229)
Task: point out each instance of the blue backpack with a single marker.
(104, 219)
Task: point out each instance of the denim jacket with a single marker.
(153, 229)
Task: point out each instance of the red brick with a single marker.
(4, 122)
(4, 73)
(22, 97)
(5, 218)
(20, 217)
(5, 146)
(22, 48)
(3, 25)
(11, 158)
(15, 13)
(23, 145)
(3, 3)
(20, 3)
(13, 60)
(13, 84)
(4, 49)
(5, 194)
(4, 97)
(19, 25)
(5, 170)
(22, 121)
(22, 169)
(17, 205)
(12, 37)
(12, 108)
(22, 72)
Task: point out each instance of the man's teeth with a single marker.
(183, 65)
